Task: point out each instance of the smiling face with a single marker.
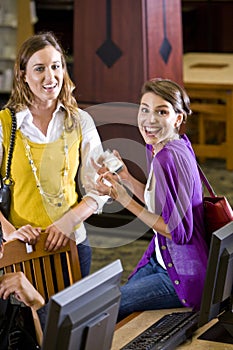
(157, 120)
(44, 74)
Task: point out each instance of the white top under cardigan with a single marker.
(149, 197)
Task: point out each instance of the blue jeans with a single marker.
(85, 254)
(149, 289)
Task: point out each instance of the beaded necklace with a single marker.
(53, 199)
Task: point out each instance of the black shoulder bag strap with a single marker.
(6, 182)
(7, 179)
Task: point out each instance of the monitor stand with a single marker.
(222, 331)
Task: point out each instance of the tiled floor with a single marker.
(109, 247)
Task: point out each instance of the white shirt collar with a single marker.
(26, 114)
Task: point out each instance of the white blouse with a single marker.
(149, 197)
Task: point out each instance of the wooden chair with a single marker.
(49, 272)
(210, 107)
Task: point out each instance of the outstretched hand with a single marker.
(101, 168)
(114, 188)
(123, 173)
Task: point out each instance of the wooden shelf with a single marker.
(15, 27)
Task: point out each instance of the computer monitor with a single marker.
(217, 293)
(83, 316)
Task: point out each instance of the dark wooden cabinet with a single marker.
(57, 16)
(119, 44)
(137, 30)
(207, 26)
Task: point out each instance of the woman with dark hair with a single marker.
(54, 138)
(171, 272)
(17, 293)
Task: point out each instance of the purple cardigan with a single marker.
(178, 199)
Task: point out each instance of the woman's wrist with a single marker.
(38, 303)
(67, 223)
(91, 203)
(127, 180)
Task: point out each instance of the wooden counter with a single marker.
(208, 79)
(133, 326)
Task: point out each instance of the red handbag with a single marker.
(217, 210)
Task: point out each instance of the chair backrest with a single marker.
(49, 272)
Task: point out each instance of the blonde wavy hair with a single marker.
(22, 97)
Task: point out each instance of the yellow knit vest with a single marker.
(28, 206)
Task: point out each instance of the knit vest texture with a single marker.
(28, 206)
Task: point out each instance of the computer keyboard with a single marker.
(166, 333)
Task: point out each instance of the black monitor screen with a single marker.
(217, 294)
(83, 316)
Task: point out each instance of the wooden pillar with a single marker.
(25, 26)
(118, 44)
(162, 39)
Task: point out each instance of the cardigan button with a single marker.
(170, 264)
(177, 282)
(183, 301)
(163, 247)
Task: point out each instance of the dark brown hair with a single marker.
(171, 92)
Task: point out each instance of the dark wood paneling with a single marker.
(154, 24)
(95, 81)
(137, 29)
